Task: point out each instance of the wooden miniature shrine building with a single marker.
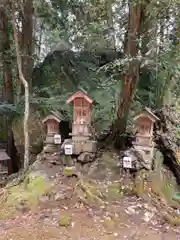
(4, 159)
(52, 129)
(52, 124)
(144, 125)
(82, 105)
(81, 125)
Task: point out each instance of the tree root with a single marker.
(88, 195)
(18, 178)
(172, 219)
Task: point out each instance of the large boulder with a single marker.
(167, 137)
(139, 158)
(36, 135)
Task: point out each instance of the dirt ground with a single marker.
(122, 220)
(67, 217)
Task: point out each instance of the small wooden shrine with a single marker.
(52, 129)
(4, 159)
(82, 105)
(144, 125)
(52, 123)
(81, 126)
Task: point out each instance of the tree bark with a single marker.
(26, 88)
(8, 92)
(6, 57)
(131, 77)
(27, 41)
(112, 39)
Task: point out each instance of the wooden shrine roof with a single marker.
(80, 94)
(147, 112)
(53, 115)
(3, 155)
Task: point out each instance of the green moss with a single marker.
(114, 191)
(64, 221)
(109, 223)
(154, 178)
(164, 185)
(139, 184)
(110, 162)
(29, 191)
(69, 171)
(173, 220)
(169, 191)
(177, 197)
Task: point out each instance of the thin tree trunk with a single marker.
(26, 88)
(110, 23)
(165, 87)
(147, 32)
(40, 39)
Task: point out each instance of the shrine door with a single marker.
(81, 115)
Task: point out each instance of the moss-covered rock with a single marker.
(109, 223)
(173, 220)
(105, 167)
(29, 191)
(140, 188)
(69, 171)
(64, 221)
(158, 160)
(162, 183)
(36, 134)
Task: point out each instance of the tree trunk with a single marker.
(26, 88)
(8, 92)
(6, 57)
(131, 77)
(147, 30)
(27, 41)
(110, 22)
(165, 87)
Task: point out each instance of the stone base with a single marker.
(80, 138)
(141, 157)
(51, 148)
(86, 157)
(147, 153)
(86, 146)
(82, 146)
(49, 139)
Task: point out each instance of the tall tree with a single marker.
(6, 54)
(26, 92)
(131, 76)
(7, 78)
(27, 40)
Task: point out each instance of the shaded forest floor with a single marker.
(116, 221)
(67, 212)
